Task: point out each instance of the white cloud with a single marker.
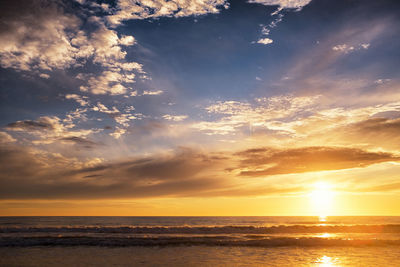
(49, 38)
(108, 82)
(236, 115)
(38, 38)
(158, 92)
(127, 40)
(144, 9)
(345, 48)
(265, 41)
(118, 133)
(174, 117)
(365, 46)
(78, 98)
(44, 75)
(282, 3)
(119, 117)
(102, 108)
(77, 114)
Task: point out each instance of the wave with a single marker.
(388, 228)
(189, 241)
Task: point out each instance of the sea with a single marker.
(200, 241)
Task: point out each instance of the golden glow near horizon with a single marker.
(321, 199)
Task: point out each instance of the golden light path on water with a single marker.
(326, 261)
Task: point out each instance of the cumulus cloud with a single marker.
(33, 37)
(127, 40)
(138, 9)
(49, 38)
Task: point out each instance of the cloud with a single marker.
(34, 174)
(344, 48)
(174, 117)
(282, 4)
(118, 132)
(86, 143)
(158, 92)
(127, 40)
(177, 174)
(138, 9)
(33, 37)
(265, 41)
(50, 38)
(102, 108)
(44, 75)
(80, 99)
(6, 138)
(119, 117)
(47, 129)
(374, 132)
(236, 116)
(265, 161)
(109, 82)
(43, 123)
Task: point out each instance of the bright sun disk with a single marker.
(321, 198)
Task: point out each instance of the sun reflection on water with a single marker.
(325, 261)
(325, 235)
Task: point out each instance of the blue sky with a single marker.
(108, 91)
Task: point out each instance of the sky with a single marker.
(206, 107)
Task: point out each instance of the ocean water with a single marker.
(199, 241)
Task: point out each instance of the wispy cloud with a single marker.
(278, 16)
(157, 92)
(344, 48)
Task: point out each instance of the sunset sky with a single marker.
(206, 107)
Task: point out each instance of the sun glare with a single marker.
(321, 198)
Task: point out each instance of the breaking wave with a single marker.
(389, 228)
(250, 236)
(190, 241)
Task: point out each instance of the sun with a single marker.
(321, 198)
